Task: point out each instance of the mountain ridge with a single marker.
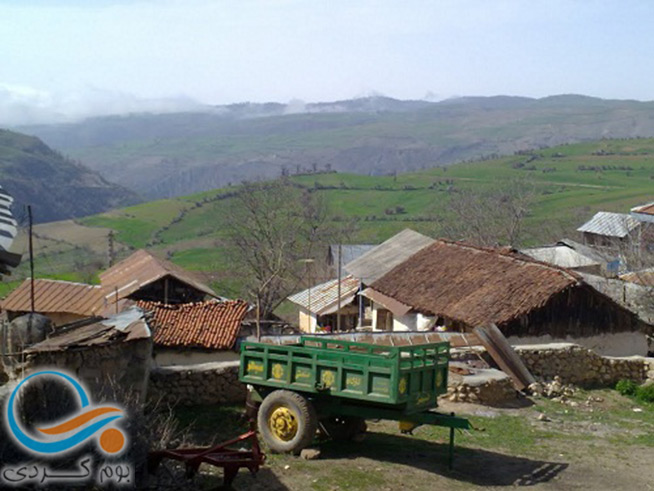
(56, 187)
(175, 154)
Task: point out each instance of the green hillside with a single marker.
(56, 187)
(167, 155)
(571, 183)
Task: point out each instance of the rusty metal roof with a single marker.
(141, 269)
(208, 325)
(647, 209)
(126, 326)
(57, 296)
(324, 297)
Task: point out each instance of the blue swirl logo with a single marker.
(73, 431)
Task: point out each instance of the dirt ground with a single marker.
(597, 440)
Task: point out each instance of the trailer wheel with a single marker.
(342, 428)
(287, 421)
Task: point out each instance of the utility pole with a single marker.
(112, 253)
(31, 252)
(338, 305)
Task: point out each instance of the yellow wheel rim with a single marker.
(283, 423)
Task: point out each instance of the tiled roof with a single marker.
(57, 296)
(209, 325)
(141, 269)
(609, 224)
(324, 297)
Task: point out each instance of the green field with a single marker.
(571, 182)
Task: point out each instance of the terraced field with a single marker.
(571, 182)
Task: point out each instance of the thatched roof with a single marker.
(474, 285)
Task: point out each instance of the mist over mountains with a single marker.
(166, 155)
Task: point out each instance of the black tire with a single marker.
(287, 421)
(342, 428)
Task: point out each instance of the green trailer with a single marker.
(335, 385)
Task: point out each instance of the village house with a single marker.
(112, 356)
(567, 253)
(63, 302)
(319, 305)
(381, 259)
(348, 253)
(457, 287)
(141, 276)
(617, 231)
(192, 333)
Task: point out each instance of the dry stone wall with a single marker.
(580, 366)
(206, 383)
(489, 387)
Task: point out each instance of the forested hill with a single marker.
(56, 187)
(176, 154)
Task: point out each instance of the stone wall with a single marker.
(207, 383)
(581, 366)
(489, 387)
(112, 372)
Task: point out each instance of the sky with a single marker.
(68, 59)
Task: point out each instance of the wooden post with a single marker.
(338, 293)
(31, 252)
(258, 318)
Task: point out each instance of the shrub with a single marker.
(645, 393)
(627, 387)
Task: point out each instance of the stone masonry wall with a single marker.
(580, 366)
(488, 387)
(206, 383)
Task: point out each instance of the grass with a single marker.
(507, 446)
(192, 228)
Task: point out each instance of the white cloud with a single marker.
(22, 105)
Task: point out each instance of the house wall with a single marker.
(577, 313)
(118, 372)
(307, 321)
(173, 357)
(611, 344)
(57, 318)
(209, 383)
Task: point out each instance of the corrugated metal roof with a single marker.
(349, 252)
(324, 297)
(57, 296)
(644, 277)
(381, 259)
(560, 255)
(610, 224)
(209, 325)
(126, 326)
(141, 269)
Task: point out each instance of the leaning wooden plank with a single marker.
(503, 354)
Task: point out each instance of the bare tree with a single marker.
(491, 216)
(273, 226)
